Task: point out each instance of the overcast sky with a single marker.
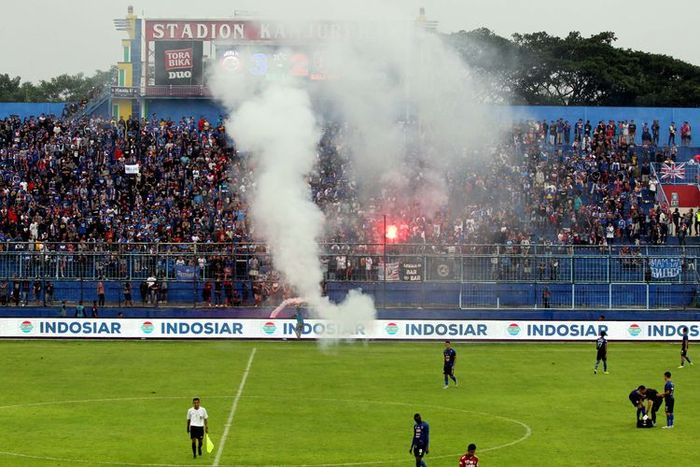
(44, 38)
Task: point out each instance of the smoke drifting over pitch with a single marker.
(388, 77)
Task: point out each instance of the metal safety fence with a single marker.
(467, 276)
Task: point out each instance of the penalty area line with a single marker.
(234, 406)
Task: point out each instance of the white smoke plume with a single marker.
(402, 83)
(275, 121)
(387, 81)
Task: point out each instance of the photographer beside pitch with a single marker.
(197, 425)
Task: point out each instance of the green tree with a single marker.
(541, 69)
(62, 88)
(9, 88)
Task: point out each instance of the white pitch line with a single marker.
(229, 421)
(528, 432)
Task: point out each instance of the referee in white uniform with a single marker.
(197, 426)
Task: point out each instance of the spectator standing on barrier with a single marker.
(368, 268)
(155, 293)
(685, 134)
(218, 286)
(101, 293)
(646, 134)
(540, 269)
(48, 293)
(163, 290)
(682, 233)
(143, 289)
(632, 127)
(341, 267)
(80, 310)
(3, 293)
(26, 287)
(672, 134)
(655, 132)
(206, 293)
(228, 291)
(676, 217)
(237, 298)
(37, 290)
(554, 269)
(127, 294)
(151, 282)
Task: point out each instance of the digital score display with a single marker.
(272, 62)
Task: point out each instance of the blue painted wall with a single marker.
(175, 109)
(28, 109)
(397, 313)
(595, 114)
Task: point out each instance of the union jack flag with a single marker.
(673, 171)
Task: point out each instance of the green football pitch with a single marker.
(69, 403)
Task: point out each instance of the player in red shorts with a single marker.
(469, 459)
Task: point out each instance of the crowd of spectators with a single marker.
(551, 182)
(71, 185)
(67, 182)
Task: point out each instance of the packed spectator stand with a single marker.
(138, 201)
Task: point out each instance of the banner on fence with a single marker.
(392, 271)
(665, 268)
(444, 269)
(185, 273)
(319, 329)
(411, 271)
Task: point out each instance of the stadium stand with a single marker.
(161, 206)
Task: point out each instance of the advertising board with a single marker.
(319, 329)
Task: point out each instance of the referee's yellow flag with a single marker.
(210, 444)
